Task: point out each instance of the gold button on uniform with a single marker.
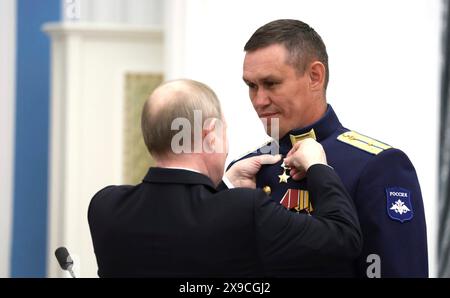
(267, 190)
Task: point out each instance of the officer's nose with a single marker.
(260, 99)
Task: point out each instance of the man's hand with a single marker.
(303, 155)
(243, 173)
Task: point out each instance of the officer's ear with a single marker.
(316, 72)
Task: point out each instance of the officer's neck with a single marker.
(310, 116)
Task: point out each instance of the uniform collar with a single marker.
(177, 176)
(323, 128)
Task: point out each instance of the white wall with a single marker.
(384, 64)
(7, 108)
(133, 12)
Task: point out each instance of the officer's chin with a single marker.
(271, 125)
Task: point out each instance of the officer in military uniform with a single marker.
(286, 70)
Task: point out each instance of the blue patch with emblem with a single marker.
(399, 205)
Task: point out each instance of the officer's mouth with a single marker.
(268, 115)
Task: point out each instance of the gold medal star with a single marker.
(284, 178)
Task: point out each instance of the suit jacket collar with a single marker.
(177, 176)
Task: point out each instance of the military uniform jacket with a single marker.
(176, 224)
(384, 186)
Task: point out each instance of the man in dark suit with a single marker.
(176, 222)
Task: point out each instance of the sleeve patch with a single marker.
(398, 204)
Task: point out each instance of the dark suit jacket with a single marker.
(175, 223)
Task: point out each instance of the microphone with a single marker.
(64, 260)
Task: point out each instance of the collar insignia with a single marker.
(310, 134)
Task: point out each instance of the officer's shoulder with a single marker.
(373, 152)
(363, 143)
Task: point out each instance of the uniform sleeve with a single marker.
(391, 214)
(286, 239)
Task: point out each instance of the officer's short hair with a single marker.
(180, 99)
(301, 41)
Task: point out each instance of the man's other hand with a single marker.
(243, 173)
(304, 154)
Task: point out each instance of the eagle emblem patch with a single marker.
(399, 205)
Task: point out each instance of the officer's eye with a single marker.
(250, 85)
(270, 84)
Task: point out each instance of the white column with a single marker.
(136, 12)
(139, 12)
(7, 127)
(174, 38)
(94, 11)
(107, 11)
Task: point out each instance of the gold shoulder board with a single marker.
(363, 142)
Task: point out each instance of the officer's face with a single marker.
(277, 90)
